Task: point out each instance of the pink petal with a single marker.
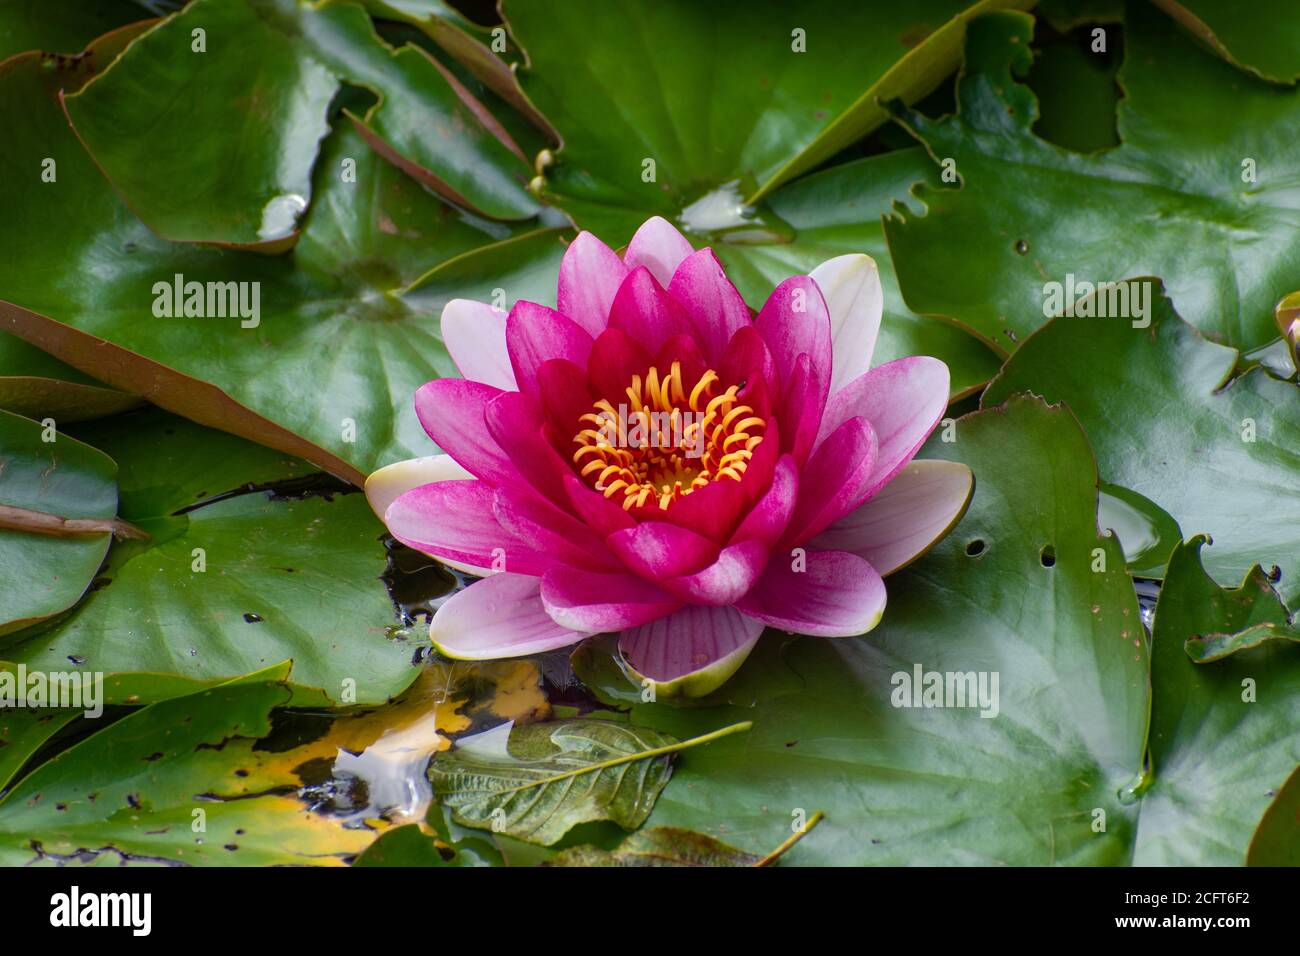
(693, 651)
(905, 518)
(646, 312)
(715, 307)
(836, 595)
(452, 411)
(565, 395)
(514, 423)
(794, 321)
(500, 616)
(455, 520)
(549, 530)
(657, 550)
(747, 359)
(805, 404)
(535, 334)
(726, 580)
(588, 601)
(590, 274)
(384, 486)
(769, 518)
(659, 247)
(836, 480)
(475, 335)
(593, 508)
(615, 358)
(903, 400)
(851, 285)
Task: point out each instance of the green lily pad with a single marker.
(37, 385)
(1277, 840)
(838, 212)
(162, 785)
(1223, 738)
(328, 371)
(23, 732)
(253, 190)
(1012, 592)
(45, 471)
(60, 26)
(720, 104)
(1236, 31)
(1234, 620)
(1153, 402)
(231, 579)
(1199, 192)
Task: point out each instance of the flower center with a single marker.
(666, 440)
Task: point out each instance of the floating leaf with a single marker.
(23, 732)
(716, 103)
(1238, 620)
(1220, 458)
(1207, 205)
(163, 785)
(252, 190)
(331, 346)
(1237, 32)
(60, 26)
(35, 385)
(536, 782)
(49, 473)
(1223, 738)
(1277, 839)
(231, 577)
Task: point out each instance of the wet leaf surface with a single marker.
(44, 471)
(224, 588)
(1167, 202)
(1221, 458)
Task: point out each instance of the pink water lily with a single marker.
(650, 459)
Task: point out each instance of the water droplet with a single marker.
(280, 215)
(1022, 247)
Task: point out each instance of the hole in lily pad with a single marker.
(1047, 556)
(975, 548)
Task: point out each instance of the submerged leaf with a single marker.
(541, 780)
(250, 559)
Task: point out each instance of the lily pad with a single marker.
(36, 385)
(42, 470)
(719, 103)
(1199, 191)
(328, 370)
(23, 732)
(247, 564)
(189, 75)
(1155, 402)
(1277, 840)
(162, 785)
(1232, 29)
(61, 26)
(1223, 738)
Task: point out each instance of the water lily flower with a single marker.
(648, 458)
